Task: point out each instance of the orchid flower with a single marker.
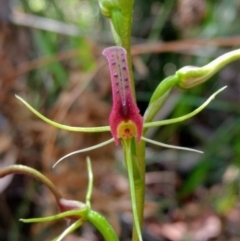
(126, 123)
(75, 212)
(125, 120)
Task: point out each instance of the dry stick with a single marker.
(175, 46)
(158, 47)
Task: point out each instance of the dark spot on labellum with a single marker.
(123, 60)
(117, 83)
(126, 86)
(113, 63)
(124, 68)
(126, 79)
(124, 108)
(116, 75)
(117, 91)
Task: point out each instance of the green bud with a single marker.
(107, 6)
(190, 76)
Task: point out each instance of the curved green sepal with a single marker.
(191, 76)
(81, 214)
(63, 127)
(185, 117)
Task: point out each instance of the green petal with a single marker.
(170, 146)
(80, 213)
(85, 149)
(69, 230)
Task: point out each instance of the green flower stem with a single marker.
(126, 7)
(90, 183)
(120, 13)
(102, 225)
(139, 154)
(135, 184)
(21, 169)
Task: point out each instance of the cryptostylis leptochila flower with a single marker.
(125, 120)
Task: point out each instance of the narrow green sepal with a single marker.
(81, 214)
(157, 143)
(60, 126)
(185, 117)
